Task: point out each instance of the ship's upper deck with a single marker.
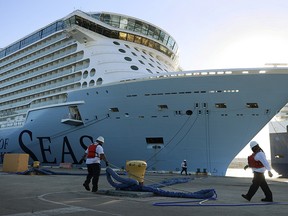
(141, 27)
(119, 26)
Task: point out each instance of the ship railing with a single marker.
(244, 71)
(12, 123)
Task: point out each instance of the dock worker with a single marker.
(184, 167)
(259, 164)
(94, 154)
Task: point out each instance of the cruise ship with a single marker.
(278, 129)
(106, 74)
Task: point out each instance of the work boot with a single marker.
(86, 187)
(94, 189)
(266, 200)
(246, 197)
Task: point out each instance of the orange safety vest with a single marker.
(253, 163)
(92, 151)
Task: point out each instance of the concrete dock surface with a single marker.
(41, 195)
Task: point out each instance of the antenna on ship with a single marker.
(276, 64)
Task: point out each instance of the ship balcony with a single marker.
(72, 120)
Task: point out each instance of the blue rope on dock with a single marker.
(133, 185)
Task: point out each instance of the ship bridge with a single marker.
(138, 26)
(123, 28)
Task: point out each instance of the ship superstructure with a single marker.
(107, 74)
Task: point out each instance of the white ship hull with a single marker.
(209, 138)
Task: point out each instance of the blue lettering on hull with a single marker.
(45, 143)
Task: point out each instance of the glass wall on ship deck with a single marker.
(32, 38)
(80, 21)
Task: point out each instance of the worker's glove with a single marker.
(270, 174)
(246, 167)
(107, 164)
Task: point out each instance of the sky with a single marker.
(211, 34)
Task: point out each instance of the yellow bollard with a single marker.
(36, 164)
(136, 170)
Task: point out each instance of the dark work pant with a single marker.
(184, 169)
(259, 181)
(93, 173)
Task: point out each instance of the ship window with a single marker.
(122, 36)
(116, 43)
(145, 41)
(130, 37)
(85, 74)
(138, 39)
(220, 105)
(141, 62)
(134, 53)
(154, 140)
(128, 59)
(148, 70)
(133, 67)
(114, 109)
(84, 85)
(162, 107)
(252, 105)
(92, 72)
(122, 51)
(99, 81)
(92, 83)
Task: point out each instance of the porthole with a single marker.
(160, 68)
(99, 81)
(134, 67)
(134, 54)
(149, 70)
(85, 74)
(151, 65)
(84, 84)
(128, 58)
(92, 72)
(141, 62)
(127, 46)
(91, 83)
(116, 43)
(122, 51)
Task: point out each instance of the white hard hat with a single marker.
(100, 139)
(253, 144)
